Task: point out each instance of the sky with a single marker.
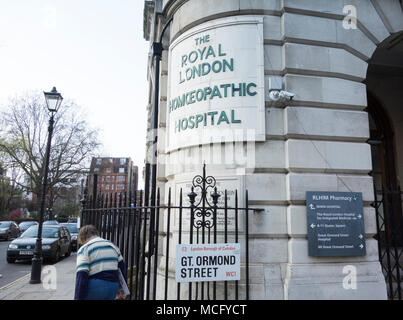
(93, 52)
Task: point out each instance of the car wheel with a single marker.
(10, 260)
(56, 257)
(68, 253)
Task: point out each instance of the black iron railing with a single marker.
(138, 230)
(389, 219)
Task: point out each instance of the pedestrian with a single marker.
(98, 265)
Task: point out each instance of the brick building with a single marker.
(112, 175)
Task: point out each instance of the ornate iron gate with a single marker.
(389, 216)
(137, 229)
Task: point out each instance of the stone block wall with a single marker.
(316, 142)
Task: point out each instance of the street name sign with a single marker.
(208, 262)
(335, 223)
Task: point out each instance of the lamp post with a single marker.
(53, 102)
(157, 54)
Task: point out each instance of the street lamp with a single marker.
(157, 54)
(53, 101)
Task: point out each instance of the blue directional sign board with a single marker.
(335, 222)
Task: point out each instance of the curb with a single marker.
(21, 289)
(14, 282)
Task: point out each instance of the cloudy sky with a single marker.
(92, 51)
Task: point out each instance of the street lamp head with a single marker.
(53, 100)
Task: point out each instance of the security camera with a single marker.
(286, 95)
(280, 95)
(274, 95)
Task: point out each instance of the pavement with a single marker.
(58, 283)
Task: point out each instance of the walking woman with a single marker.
(98, 265)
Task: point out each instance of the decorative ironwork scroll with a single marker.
(203, 210)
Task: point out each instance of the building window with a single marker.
(96, 169)
(99, 161)
(108, 170)
(120, 187)
(107, 187)
(121, 170)
(112, 186)
(111, 160)
(120, 178)
(122, 161)
(108, 178)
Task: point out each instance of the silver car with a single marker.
(9, 230)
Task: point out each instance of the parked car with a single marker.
(56, 242)
(9, 230)
(72, 227)
(72, 220)
(50, 222)
(26, 224)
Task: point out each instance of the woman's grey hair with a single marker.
(86, 232)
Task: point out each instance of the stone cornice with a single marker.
(147, 18)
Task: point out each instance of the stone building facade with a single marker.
(342, 129)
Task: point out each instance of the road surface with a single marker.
(12, 271)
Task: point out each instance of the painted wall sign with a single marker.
(208, 262)
(216, 83)
(335, 223)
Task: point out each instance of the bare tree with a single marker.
(24, 132)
